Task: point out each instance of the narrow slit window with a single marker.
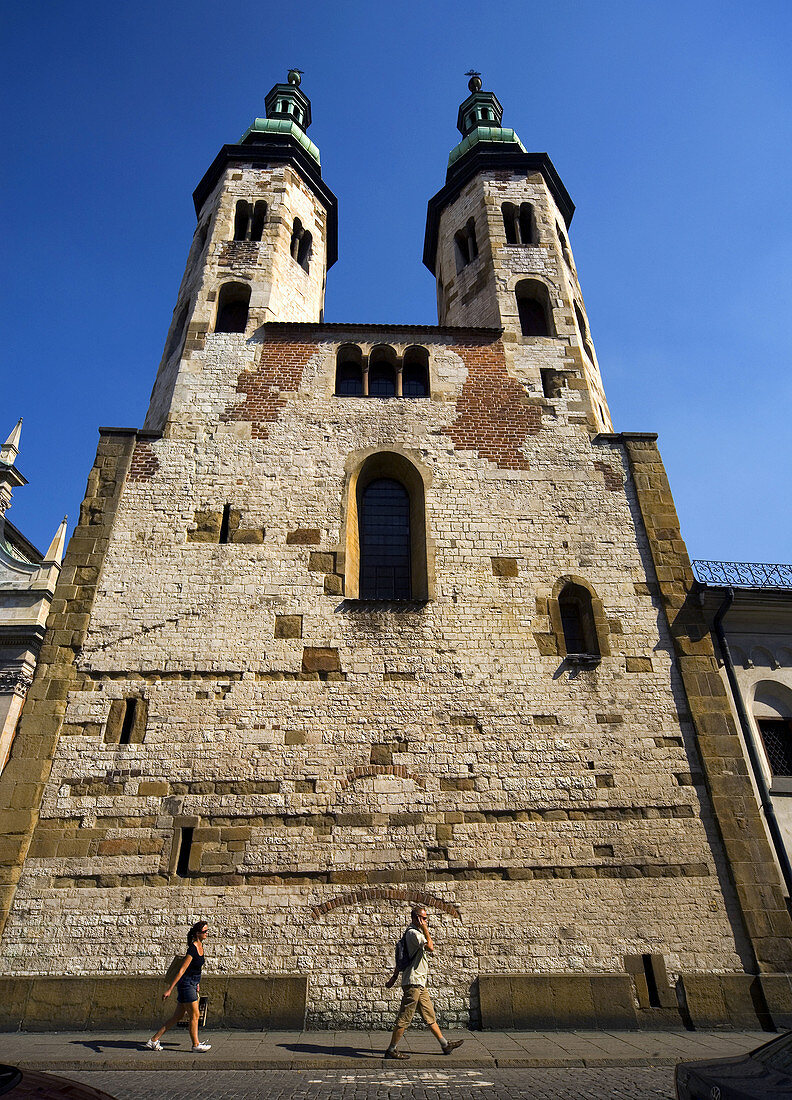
(510, 222)
(185, 848)
(128, 724)
(577, 621)
(651, 981)
(224, 523)
(526, 223)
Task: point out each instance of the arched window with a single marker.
(382, 372)
(564, 246)
(577, 621)
(415, 373)
(584, 333)
(533, 308)
(772, 711)
(242, 220)
(526, 223)
(509, 212)
(385, 541)
(259, 218)
(304, 251)
(387, 551)
(297, 232)
(465, 245)
(349, 372)
(232, 307)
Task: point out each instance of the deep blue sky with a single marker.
(668, 122)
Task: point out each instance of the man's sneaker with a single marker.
(201, 1048)
(400, 1054)
(452, 1046)
(153, 1044)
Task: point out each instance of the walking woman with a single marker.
(187, 983)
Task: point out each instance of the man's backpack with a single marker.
(403, 958)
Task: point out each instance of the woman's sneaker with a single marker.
(202, 1047)
(153, 1044)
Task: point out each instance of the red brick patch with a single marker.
(145, 463)
(493, 416)
(280, 368)
(613, 479)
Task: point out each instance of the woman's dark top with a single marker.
(196, 962)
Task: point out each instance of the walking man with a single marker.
(419, 945)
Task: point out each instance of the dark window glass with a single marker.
(577, 620)
(533, 320)
(414, 381)
(232, 317)
(349, 380)
(130, 712)
(777, 737)
(382, 380)
(385, 541)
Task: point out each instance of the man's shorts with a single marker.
(415, 996)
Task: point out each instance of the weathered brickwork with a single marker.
(221, 729)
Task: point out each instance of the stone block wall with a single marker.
(314, 765)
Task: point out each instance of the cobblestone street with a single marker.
(611, 1083)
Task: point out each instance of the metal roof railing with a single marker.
(742, 574)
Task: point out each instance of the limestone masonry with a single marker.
(370, 615)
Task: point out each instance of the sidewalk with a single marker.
(252, 1050)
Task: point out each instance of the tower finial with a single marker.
(10, 449)
(295, 77)
(474, 84)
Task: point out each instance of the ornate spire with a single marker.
(10, 449)
(479, 121)
(288, 114)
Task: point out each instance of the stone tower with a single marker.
(497, 243)
(267, 233)
(370, 615)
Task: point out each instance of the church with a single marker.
(373, 615)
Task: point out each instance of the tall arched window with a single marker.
(526, 223)
(387, 550)
(232, 307)
(564, 246)
(518, 223)
(533, 308)
(577, 621)
(509, 212)
(385, 541)
(305, 250)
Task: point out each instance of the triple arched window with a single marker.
(382, 373)
(518, 222)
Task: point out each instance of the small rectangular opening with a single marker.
(651, 982)
(130, 713)
(224, 523)
(185, 847)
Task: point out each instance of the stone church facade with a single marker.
(369, 615)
